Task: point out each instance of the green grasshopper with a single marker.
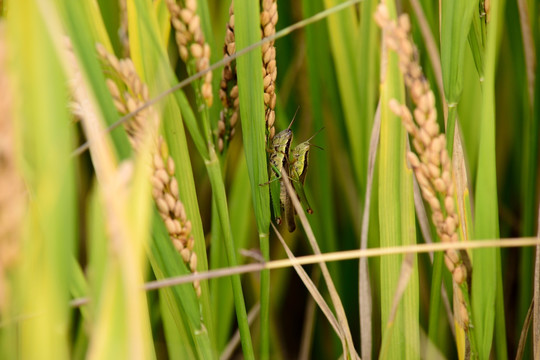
(279, 159)
(298, 166)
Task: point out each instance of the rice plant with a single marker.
(150, 165)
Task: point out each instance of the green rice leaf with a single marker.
(396, 217)
(456, 19)
(250, 86)
(83, 41)
(487, 269)
(239, 203)
(342, 28)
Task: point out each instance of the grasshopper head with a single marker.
(282, 140)
(300, 150)
(300, 158)
(281, 144)
(282, 137)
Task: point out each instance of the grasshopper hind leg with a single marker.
(288, 208)
(302, 196)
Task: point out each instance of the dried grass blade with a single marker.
(336, 256)
(312, 288)
(340, 311)
(525, 332)
(307, 333)
(228, 352)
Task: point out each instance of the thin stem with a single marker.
(330, 257)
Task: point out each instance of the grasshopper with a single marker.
(279, 159)
(298, 167)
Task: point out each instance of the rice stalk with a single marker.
(192, 47)
(165, 186)
(431, 48)
(228, 91)
(160, 65)
(116, 182)
(269, 19)
(432, 166)
(171, 209)
(128, 93)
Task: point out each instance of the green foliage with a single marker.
(91, 231)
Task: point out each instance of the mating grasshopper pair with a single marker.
(295, 164)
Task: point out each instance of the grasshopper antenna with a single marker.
(294, 117)
(317, 146)
(312, 136)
